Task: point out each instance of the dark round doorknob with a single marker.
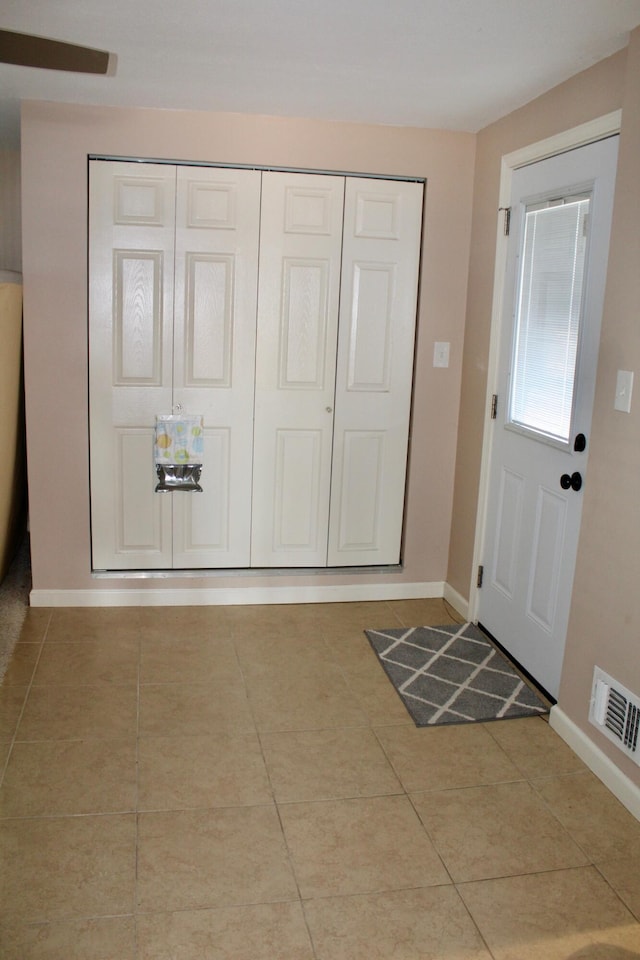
(574, 481)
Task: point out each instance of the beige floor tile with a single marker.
(624, 876)
(446, 757)
(563, 915)
(420, 613)
(184, 660)
(285, 655)
(359, 611)
(61, 778)
(327, 764)
(177, 773)
(35, 625)
(338, 633)
(426, 924)
(112, 938)
(354, 655)
(105, 711)
(260, 624)
(340, 619)
(66, 868)
(105, 661)
(208, 622)
(12, 700)
(22, 664)
(303, 701)
(70, 624)
(212, 858)
(274, 931)
(368, 845)
(534, 747)
(495, 831)
(194, 709)
(592, 815)
(367, 680)
(216, 877)
(378, 699)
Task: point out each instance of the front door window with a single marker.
(548, 317)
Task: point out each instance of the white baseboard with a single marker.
(227, 596)
(457, 601)
(627, 792)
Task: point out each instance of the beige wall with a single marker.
(604, 627)
(56, 140)
(591, 94)
(10, 225)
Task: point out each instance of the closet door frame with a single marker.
(160, 534)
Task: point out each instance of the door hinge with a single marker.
(507, 220)
(494, 406)
(480, 576)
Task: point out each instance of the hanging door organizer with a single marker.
(178, 453)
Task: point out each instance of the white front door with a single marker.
(554, 289)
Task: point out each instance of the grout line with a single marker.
(634, 914)
(136, 855)
(14, 738)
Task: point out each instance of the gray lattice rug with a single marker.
(453, 674)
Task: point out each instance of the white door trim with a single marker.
(597, 129)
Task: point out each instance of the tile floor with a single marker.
(243, 784)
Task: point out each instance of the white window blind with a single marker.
(548, 316)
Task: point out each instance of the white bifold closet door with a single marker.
(300, 256)
(280, 306)
(173, 266)
(380, 264)
(336, 323)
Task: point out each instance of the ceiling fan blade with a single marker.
(25, 50)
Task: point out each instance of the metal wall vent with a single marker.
(616, 712)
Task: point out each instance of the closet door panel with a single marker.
(361, 488)
(217, 232)
(130, 346)
(300, 248)
(297, 513)
(202, 524)
(382, 226)
(139, 530)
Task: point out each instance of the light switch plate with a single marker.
(624, 388)
(441, 354)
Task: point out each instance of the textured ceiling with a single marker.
(451, 64)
